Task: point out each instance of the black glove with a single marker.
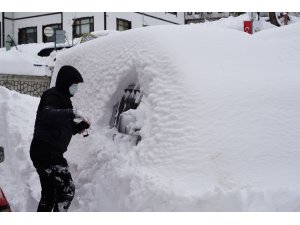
(80, 127)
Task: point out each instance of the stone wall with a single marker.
(26, 84)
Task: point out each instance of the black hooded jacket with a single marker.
(54, 125)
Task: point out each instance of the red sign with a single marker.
(248, 27)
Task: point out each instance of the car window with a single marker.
(121, 118)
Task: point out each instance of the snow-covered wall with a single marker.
(18, 178)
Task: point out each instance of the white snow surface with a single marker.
(22, 61)
(220, 123)
(102, 33)
(237, 23)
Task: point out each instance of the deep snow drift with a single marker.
(237, 23)
(219, 116)
(25, 60)
(17, 176)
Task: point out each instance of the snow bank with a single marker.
(286, 41)
(237, 23)
(102, 33)
(18, 178)
(281, 34)
(25, 60)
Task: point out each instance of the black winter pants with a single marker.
(56, 181)
(57, 189)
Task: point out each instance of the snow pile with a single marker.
(220, 124)
(24, 61)
(17, 177)
(286, 41)
(102, 33)
(237, 23)
(281, 34)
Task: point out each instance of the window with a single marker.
(57, 26)
(82, 26)
(123, 116)
(123, 24)
(197, 13)
(27, 35)
(189, 13)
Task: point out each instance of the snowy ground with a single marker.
(220, 123)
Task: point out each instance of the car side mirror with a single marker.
(1, 154)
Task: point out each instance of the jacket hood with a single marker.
(67, 75)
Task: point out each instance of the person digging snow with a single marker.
(53, 130)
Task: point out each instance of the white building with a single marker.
(27, 27)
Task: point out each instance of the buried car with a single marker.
(214, 119)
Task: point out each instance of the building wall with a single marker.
(38, 22)
(8, 29)
(17, 20)
(69, 16)
(19, 15)
(144, 19)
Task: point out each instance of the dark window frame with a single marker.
(50, 39)
(26, 41)
(123, 20)
(91, 25)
